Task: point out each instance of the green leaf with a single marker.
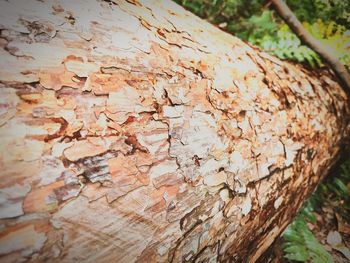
(296, 252)
(300, 243)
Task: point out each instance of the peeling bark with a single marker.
(134, 131)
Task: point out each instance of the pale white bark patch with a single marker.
(173, 111)
(85, 148)
(25, 240)
(59, 147)
(11, 200)
(81, 69)
(168, 166)
(291, 149)
(246, 206)
(215, 179)
(278, 202)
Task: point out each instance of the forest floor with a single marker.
(327, 215)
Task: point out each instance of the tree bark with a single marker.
(326, 52)
(135, 131)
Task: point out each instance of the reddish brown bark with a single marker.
(134, 131)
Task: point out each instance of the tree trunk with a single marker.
(138, 132)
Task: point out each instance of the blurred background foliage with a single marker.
(328, 209)
(255, 22)
(332, 196)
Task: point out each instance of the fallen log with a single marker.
(135, 131)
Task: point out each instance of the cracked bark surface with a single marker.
(136, 132)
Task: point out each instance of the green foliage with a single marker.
(301, 245)
(233, 13)
(335, 189)
(332, 35)
(286, 45)
(327, 10)
(326, 20)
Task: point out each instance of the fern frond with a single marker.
(301, 245)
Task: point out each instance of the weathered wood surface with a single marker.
(134, 131)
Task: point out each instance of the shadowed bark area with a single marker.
(136, 132)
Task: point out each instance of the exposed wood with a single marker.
(135, 131)
(326, 52)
